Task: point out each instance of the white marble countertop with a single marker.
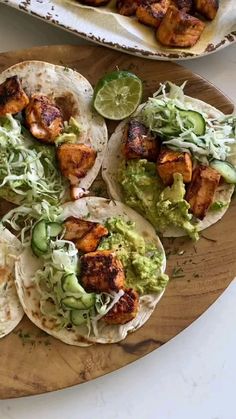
(191, 377)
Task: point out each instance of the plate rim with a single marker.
(229, 39)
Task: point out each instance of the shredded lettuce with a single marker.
(22, 218)
(163, 114)
(28, 171)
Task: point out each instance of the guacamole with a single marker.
(141, 260)
(163, 206)
(218, 205)
(71, 132)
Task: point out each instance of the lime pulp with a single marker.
(117, 95)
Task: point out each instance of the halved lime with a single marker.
(117, 95)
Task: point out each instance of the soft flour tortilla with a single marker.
(73, 94)
(114, 157)
(92, 209)
(11, 311)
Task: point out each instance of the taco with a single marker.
(11, 311)
(93, 274)
(174, 162)
(51, 140)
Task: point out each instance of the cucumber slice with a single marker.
(54, 229)
(168, 130)
(225, 169)
(40, 237)
(88, 300)
(70, 283)
(194, 120)
(78, 317)
(36, 251)
(191, 119)
(72, 302)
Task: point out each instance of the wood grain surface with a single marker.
(32, 362)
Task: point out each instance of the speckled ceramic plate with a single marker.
(104, 26)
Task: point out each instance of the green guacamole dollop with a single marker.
(141, 259)
(164, 207)
(71, 132)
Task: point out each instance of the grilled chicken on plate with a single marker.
(178, 23)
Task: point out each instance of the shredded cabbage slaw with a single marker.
(164, 111)
(27, 170)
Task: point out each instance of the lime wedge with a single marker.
(117, 95)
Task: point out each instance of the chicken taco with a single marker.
(11, 311)
(93, 273)
(51, 140)
(174, 162)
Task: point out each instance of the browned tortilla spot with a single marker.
(67, 105)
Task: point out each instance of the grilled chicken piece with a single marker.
(178, 29)
(151, 13)
(13, 99)
(138, 142)
(125, 309)
(170, 162)
(75, 160)
(85, 234)
(207, 8)
(95, 3)
(127, 7)
(200, 193)
(101, 271)
(185, 5)
(43, 118)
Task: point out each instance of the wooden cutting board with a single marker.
(32, 362)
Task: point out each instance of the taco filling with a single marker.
(50, 139)
(95, 271)
(174, 162)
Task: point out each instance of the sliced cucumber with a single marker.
(72, 302)
(54, 229)
(40, 237)
(78, 317)
(88, 300)
(70, 283)
(225, 169)
(194, 120)
(36, 251)
(169, 130)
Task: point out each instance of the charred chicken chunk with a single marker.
(152, 13)
(43, 118)
(125, 309)
(127, 7)
(207, 8)
(138, 142)
(200, 193)
(13, 99)
(170, 162)
(75, 160)
(101, 271)
(85, 234)
(186, 5)
(95, 2)
(178, 29)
